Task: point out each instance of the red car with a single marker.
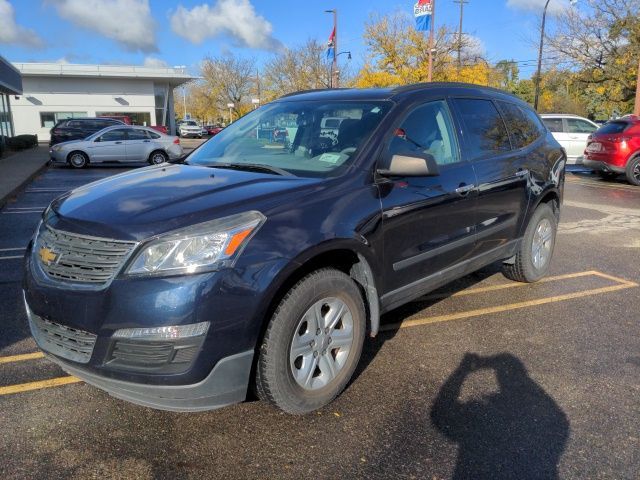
(211, 130)
(160, 128)
(614, 149)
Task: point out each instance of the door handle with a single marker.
(146, 141)
(118, 143)
(463, 190)
(522, 173)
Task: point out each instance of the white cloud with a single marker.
(153, 62)
(235, 18)
(555, 6)
(128, 22)
(12, 33)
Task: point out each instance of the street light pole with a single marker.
(334, 65)
(636, 110)
(433, 21)
(184, 101)
(537, 94)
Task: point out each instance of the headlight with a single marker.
(56, 148)
(163, 333)
(205, 246)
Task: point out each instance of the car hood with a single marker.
(154, 200)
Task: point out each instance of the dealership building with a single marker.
(55, 91)
(10, 86)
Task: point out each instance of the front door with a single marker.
(428, 222)
(109, 146)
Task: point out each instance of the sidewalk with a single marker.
(20, 167)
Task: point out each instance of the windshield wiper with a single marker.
(253, 167)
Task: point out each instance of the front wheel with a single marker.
(78, 160)
(313, 343)
(533, 258)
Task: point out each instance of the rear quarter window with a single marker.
(612, 127)
(523, 125)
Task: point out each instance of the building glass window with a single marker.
(135, 118)
(5, 116)
(160, 93)
(49, 119)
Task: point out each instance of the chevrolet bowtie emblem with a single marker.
(47, 255)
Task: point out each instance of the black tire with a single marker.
(606, 175)
(78, 159)
(523, 268)
(275, 382)
(633, 171)
(158, 157)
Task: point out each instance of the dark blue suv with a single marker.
(265, 258)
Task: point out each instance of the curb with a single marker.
(4, 200)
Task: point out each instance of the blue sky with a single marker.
(183, 32)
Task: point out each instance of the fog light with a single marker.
(163, 333)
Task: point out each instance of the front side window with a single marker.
(483, 129)
(292, 136)
(575, 125)
(113, 135)
(428, 129)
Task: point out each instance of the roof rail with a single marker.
(419, 86)
(311, 90)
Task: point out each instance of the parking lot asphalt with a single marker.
(485, 378)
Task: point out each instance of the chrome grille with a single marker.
(78, 258)
(63, 341)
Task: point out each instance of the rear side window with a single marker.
(484, 130)
(135, 134)
(613, 127)
(524, 128)
(553, 124)
(152, 134)
(575, 125)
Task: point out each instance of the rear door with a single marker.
(109, 147)
(501, 172)
(578, 131)
(428, 222)
(137, 145)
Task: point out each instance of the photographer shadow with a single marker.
(518, 432)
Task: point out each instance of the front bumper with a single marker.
(57, 156)
(225, 385)
(600, 166)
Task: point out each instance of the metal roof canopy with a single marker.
(10, 79)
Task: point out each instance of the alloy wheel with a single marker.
(321, 343)
(542, 243)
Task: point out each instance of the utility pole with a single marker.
(537, 94)
(636, 110)
(334, 65)
(431, 40)
(462, 4)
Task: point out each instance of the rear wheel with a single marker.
(533, 258)
(313, 343)
(633, 171)
(158, 157)
(78, 159)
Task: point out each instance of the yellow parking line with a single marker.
(615, 279)
(21, 358)
(613, 186)
(504, 308)
(25, 387)
(502, 286)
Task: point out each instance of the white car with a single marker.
(189, 128)
(572, 132)
(121, 143)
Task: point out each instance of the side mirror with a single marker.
(99, 139)
(410, 165)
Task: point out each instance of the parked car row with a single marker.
(118, 143)
(191, 128)
(611, 149)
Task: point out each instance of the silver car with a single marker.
(572, 132)
(189, 128)
(118, 144)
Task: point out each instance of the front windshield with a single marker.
(306, 139)
(191, 123)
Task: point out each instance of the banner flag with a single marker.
(422, 11)
(331, 44)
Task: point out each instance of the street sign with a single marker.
(231, 105)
